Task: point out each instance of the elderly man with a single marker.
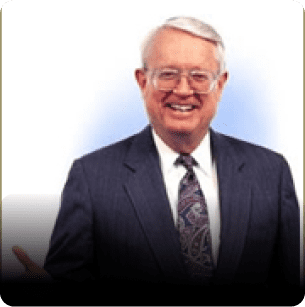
(179, 204)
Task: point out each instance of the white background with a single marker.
(69, 88)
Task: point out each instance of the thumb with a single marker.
(24, 258)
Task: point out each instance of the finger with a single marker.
(23, 257)
(32, 269)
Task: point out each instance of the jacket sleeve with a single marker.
(289, 231)
(70, 256)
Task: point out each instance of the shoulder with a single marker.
(108, 165)
(249, 152)
(112, 157)
(114, 151)
(102, 165)
(107, 155)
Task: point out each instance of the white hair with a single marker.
(190, 25)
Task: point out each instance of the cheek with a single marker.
(153, 100)
(152, 104)
(209, 108)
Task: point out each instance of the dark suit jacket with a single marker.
(115, 222)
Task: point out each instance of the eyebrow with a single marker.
(176, 68)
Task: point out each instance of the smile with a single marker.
(180, 107)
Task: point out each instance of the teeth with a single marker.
(182, 108)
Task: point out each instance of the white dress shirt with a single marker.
(206, 175)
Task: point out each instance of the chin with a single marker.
(181, 131)
(187, 130)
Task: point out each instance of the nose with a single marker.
(183, 87)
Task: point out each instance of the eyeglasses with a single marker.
(167, 79)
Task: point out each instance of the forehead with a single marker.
(172, 47)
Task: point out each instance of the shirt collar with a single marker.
(202, 154)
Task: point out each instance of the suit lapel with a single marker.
(235, 200)
(146, 190)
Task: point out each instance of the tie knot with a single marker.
(187, 161)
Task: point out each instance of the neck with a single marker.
(182, 142)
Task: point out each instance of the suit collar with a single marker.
(141, 148)
(224, 150)
(221, 147)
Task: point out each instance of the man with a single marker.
(179, 204)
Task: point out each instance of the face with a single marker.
(170, 112)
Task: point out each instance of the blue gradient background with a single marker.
(242, 113)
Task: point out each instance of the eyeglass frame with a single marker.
(185, 73)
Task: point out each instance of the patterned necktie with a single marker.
(193, 225)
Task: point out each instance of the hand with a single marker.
(32, 271)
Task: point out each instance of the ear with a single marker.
(141, 78)
(222, 81)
